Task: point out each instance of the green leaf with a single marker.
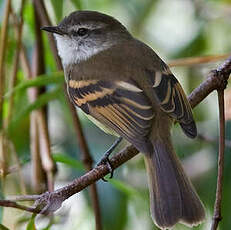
(125, 188)
(28, 16)
(77, 4)
(41, 80)
(70, 161)
(41, 101)
(58, 8)
(31, 224)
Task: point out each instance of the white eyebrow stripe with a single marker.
(128, 86)
(89, 25)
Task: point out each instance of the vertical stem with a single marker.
(19, 24)
(45, 20)
(25, 62)
(19, 168)
(217, 207)
(3, 40)
(45, 150)
(3, 46)
(38, 177)
(44, 141)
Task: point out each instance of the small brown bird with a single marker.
(123, 85)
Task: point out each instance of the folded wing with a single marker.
(121, 105)
(172, 99)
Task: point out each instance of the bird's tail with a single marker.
(172, 196)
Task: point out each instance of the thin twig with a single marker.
(47, 161)
(217, 207)
(12, 204)
(38, 176)
(24, 198)
(190, 61)
(3, 46)
(214, 81)
(17, 168)
(206, 87)
(19, 23)
(45, 150)
(45, 20)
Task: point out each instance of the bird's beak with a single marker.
(54, 29)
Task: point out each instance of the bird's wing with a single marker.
(172, 99)
(121, 105)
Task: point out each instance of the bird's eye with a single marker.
(80, 32)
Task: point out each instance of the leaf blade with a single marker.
(38, 103)
(42, 80)
(65, 159)
(125, 188)
(58, 9)
(31, 223)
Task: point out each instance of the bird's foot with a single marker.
(105, 159)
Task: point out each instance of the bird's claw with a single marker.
(106, 161)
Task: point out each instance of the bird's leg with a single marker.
(105, 158)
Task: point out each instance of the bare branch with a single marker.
(217, 207)
(48, 164)
(12, 204)
(190, 61)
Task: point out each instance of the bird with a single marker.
(126, 88)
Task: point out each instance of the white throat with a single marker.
(71, 53)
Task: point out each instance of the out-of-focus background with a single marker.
(174, 29)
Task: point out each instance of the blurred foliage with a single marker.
(175, 29)
(31, 223)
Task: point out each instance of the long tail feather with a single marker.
(172, 196)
